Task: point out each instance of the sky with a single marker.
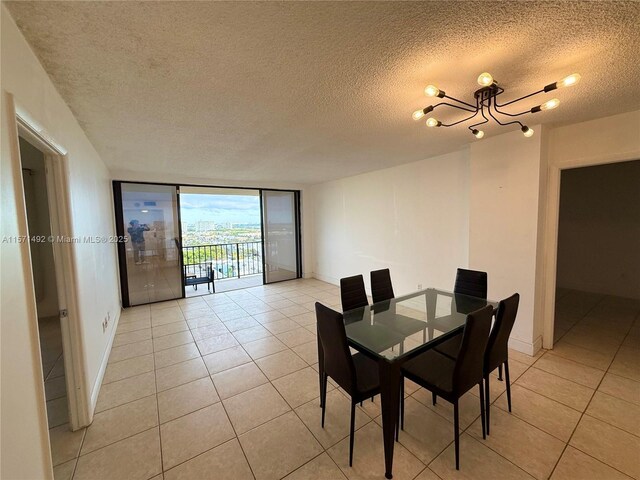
(219, 208)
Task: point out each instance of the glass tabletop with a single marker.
(395, 328)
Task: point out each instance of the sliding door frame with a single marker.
(117, 198)
(120, 232)
(298, 234)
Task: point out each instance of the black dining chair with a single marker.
(472, 283)
(497, 353)
(356, 374)
(381, 286)
(352, 293)
(451, 378)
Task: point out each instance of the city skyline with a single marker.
(220, 209)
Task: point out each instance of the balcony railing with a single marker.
(228, 260)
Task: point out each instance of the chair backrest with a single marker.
(338, 363)
(471, 282)
(468, 371)
(497, 352)
(352, 293)
(381, 287)
(210, 272)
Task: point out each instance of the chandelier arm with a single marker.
(486, 120)
(503, 124)
(475, 109)
(518, 99)
(460, 121)
(459, 101)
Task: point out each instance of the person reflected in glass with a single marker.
(136, 232)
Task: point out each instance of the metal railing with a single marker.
(227, 260)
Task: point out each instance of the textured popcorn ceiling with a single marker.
(309, 91)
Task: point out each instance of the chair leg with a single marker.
(433, 397)
(351, 432)
(323, 397)
(487, 401)
(500, 372)
(481, 389)
(506, 377)
(456, 432)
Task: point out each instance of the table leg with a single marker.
(431, 298)
(390, 403)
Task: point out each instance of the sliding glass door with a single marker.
(185, 241)
(150, 264)
(280, 235)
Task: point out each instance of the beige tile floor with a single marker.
(53, 373)
(225, 386)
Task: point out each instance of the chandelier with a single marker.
(487, 104)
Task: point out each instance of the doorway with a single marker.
(598, 259)
(44, 283)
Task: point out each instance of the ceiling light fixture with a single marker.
(487, 104)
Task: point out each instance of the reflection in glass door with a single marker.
(148, 216)
(281, 240)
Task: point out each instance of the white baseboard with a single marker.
(95, 390)
(526, 347)
(323, 278)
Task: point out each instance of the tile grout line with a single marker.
(291, 408)
(155, 376)
(77, 459)
(462, 431)
(466, 430)
(270, 381)
(589, 402)
(236, 437)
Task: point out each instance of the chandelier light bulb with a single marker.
(570, 80)
(418, 114)
(550, 105)
(527, 132)
(485, 79)
(432, 122)
(478, 133)
(431, 91)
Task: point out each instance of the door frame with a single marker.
(552, 217)
(59, 204)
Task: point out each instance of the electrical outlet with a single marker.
(419, 286)
(104, 325)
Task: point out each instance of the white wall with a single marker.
(604, 140)
(24, 444)
(476, 208)
(413, 219)
(504, 199)
(599, 229)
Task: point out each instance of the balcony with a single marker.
(233, 266)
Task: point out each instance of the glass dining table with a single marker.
(396, 330)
